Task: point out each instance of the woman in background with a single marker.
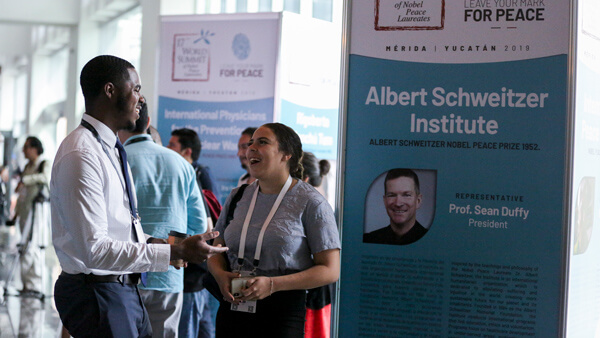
(4, 202)
(314, 171)
(283, 235)
(318, 300)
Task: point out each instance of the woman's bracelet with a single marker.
(271, 280)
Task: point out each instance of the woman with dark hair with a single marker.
(314, 170)
(283, 238)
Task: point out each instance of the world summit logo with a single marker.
(191, 56)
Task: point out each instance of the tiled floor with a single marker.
(28, 317)
(23, 316)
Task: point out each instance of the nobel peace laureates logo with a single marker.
(241, 46)
(391, 15)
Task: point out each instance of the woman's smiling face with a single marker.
(264, 157)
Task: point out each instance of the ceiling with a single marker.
(48, 22)
(18, 18)
(15, 39)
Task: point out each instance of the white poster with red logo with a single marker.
(217, 76)
(221, 73)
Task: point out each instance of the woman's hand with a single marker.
(257, 288)
(224, 278)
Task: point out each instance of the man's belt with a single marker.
(132, 278)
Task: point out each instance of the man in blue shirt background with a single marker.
(199, 306)
(168, 199)
(187, 143)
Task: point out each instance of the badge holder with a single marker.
(237, 285)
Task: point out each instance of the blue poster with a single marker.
(454, 170)
(317, 128)
(219, 126)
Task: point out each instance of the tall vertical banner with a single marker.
(309, 82)
(217, 76)
(471, 97)
(584, 269)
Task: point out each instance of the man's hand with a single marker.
(195, 249)
(177, 264)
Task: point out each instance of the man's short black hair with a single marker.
(101, 70)
(188, 138)
(398, 172)
(249, 131)
(142, 123)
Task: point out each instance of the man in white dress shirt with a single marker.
(96, 230)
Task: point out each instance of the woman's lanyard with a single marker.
(259, 242)
(88, 126)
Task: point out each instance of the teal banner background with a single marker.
(459, 279)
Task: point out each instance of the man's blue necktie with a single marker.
(132, 206)
(123, 156)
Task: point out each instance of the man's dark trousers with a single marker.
(100, 309)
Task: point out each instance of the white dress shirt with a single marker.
(91, 222)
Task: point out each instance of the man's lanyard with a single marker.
(259, 242)
(88, 126)
(136, 140)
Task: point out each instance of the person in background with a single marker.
(315, 170)
(155, 135)
(186, 142)
(242, 148)
(96, 229)
(283, 236)
(199, 306)
(168, 200)
(31, 212)
(4, 198)
(318, 300)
